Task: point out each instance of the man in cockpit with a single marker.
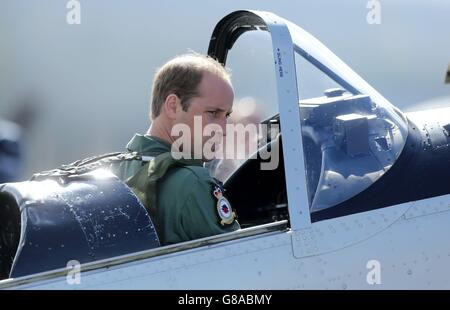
(185, 202)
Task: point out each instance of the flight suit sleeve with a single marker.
(199, 215)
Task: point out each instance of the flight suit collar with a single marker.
(153, 146)
(148, 145)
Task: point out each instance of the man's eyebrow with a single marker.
(218, 109)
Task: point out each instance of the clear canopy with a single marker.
(351, 134)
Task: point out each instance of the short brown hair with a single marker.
(181, 76)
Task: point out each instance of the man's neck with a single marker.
(156, 130)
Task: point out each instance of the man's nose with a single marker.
(223, 125)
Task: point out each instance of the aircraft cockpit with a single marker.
(350, 135)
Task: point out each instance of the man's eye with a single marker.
(213, 113)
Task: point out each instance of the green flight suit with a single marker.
(185, 202)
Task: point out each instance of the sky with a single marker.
(88, 86)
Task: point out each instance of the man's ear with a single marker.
(171, 106)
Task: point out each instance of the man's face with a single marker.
(213, 105)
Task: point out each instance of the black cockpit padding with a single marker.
(9, 232)
(257, 194)
(83, 219)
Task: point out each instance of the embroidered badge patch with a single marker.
(226, 213)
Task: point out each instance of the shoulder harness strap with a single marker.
(144, 182)
(89, 164)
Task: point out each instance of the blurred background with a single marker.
(81, 90)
